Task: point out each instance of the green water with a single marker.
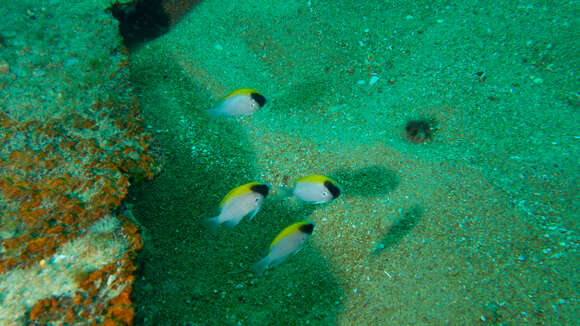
(477, 226)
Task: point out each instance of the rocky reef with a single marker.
(71, 143)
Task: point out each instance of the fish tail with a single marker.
(284, 193)
(287, 191)
(279, 261)
(259, 267)
(230, 223)
(211, 224)
(212, 115)
(215, 112)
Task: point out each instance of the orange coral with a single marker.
(8, 264)
(5, 121)
(121, 308)
(53, 309)
(23, 159)
(40, 248)
(42, 181)
(38, 310)
(81, 122)
(49, 164)
(123, 314)
(16, 242)
(60, 174)
(33, 216)
(14, 188)
(109, 322)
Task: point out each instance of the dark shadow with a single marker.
(400, 229)
(140, 21)
(305, 94)
(368, 181)
(145, 20)
(300, 289)
(187, 276)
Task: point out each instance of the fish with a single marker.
(238, 203)
(316, 189)
(287, 242)
(239, 102)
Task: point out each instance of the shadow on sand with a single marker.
(188, 277)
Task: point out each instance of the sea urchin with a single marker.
(421, 130)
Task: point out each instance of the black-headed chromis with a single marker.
(239, 102)
(289, 241)
(239, 202)
(316, 189)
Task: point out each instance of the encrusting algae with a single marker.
(66, 163)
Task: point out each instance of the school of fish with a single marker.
(246, 200)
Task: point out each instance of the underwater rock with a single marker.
(70, 142)
(144, 20)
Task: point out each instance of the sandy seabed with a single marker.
(479, 225)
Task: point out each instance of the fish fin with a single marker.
(284, 193)
(278, 261)
(211, 224)
(254, 213)
(230, 223)
(213, 113)
(259, 267)
(287, 191)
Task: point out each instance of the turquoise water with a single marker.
(471, 221)
(476, 226)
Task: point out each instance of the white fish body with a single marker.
(239, 102)
(235, 105)
(280, 251)
(235, 210)
(312, 192)
(288, 242)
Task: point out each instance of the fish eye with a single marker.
(325, 193)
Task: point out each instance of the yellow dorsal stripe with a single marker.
(289, 230)
(241, 91)
(315, 179)
(241, 190)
